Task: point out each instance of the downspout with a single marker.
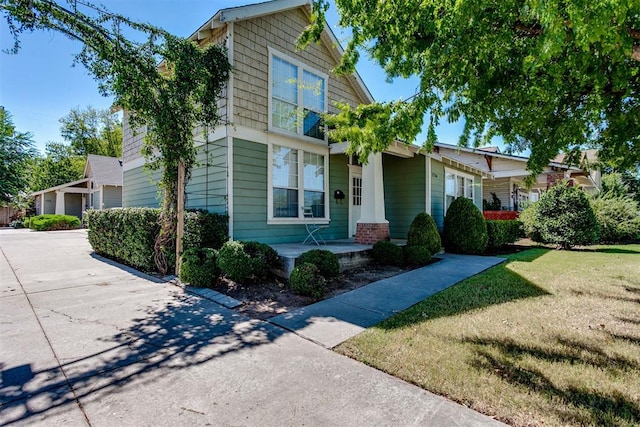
(230, 117)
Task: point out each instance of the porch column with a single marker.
(372, 225)
(59, 203)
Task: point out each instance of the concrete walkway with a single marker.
(337, 319)
(85, 342)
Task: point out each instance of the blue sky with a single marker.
(40, 85)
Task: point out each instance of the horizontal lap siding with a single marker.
(207, 188)
(437, 192)
(250, 198)
(112, 197)
(249, 190)
(404, 192)
(140, 188)
(499, 186)
(477, 191)
(73, 204)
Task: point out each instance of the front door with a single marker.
(355, 199)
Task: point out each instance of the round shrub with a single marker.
(387, 253)
(264, 257)
(326, 261)
(619, 218)
(305, 279)
(418, 255)
(234, 262)
(198, 267)
(465, 229)
(565, 217)
(529, 219)
(424, 232)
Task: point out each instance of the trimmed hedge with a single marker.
(205, 230)
(125, 235)
(326, 261)
(50, 222)
(128, 235)
(502, 232)
(198, 267)
(465, 229)
(385, 252)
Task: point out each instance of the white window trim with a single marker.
(301, 67)
(302, 148)
(456, 172)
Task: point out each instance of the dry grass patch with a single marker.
(548, 338)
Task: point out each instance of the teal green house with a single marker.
(273, 157)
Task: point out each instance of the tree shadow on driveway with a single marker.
(184, 332)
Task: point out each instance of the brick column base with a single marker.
(369, 233)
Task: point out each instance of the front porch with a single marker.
(350, 254)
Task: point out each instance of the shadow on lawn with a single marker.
(528, 255)
(496, 286)
(617, 251)
(584, 406)
(185, 332)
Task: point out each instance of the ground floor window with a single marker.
(457, 184)
(298, 179)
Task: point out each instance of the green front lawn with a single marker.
(548, 338)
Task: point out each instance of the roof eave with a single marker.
(58, 187)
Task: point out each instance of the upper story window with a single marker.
(298, 97)
(457, 184)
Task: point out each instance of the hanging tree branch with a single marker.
(545, 76)
(171, 100)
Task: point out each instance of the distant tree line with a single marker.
(24, 170)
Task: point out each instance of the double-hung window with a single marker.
(298, 97)
(297, 179)
(456, 185)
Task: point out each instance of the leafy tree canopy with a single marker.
(616, 184)
(548, 76)
(169, 84)
(16, 148)
(92, 131)
(60, 165)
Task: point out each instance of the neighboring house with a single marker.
(274, 158)
(506, 173)
(101, 188)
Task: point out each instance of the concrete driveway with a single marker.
(87, 342)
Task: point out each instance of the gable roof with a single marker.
(586, 156)
(484, 152)
(61, 186)
(255, 10)
(104, 170)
